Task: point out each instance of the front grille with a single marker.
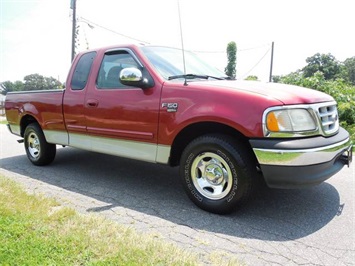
(328, 115)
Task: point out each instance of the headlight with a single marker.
(289, 120)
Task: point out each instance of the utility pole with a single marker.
(272, 61)
(73, 6)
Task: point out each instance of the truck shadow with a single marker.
(276, 215)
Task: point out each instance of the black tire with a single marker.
(38, 150)
(218, 173)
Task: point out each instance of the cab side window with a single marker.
(82, 71)
(110, 69)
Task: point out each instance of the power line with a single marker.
(115, 32)
(245, 75)
(215, 52)
(209, 52)
(142, 41)
(255, 47)
(238, 50)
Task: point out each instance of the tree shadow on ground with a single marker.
(152, 189)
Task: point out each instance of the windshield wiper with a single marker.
(193, 76)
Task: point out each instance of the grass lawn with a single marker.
(35, 230)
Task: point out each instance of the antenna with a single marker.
(182, 44)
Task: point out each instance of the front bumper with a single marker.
(292, 163)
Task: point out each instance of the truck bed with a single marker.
(46, 105)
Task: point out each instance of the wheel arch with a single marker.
(196, 130)
(25, 121)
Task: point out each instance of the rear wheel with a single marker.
(218, 173)
(38, 150)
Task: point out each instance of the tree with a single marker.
(277, 78)
(39, 82)
(8, 86)
(325, 63)
(230, 69)
(5, 87)
(348, 70)
(52, 83)
(32, 82)
(252, 77)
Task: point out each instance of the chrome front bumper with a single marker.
(302, 162)
(302, 157)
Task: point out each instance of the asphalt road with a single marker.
(314, 226)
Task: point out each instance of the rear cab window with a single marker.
(82, 71)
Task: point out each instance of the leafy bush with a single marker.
(341, 91)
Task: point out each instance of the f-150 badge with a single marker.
(171, 107)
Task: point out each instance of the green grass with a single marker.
(35, 230)
(3, 122)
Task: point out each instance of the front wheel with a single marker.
(218, 173)
(38, 150)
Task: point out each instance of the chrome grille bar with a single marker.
(328, 115)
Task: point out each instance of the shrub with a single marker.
(341, 91)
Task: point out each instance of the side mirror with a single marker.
(133, 77)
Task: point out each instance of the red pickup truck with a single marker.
(161, 105)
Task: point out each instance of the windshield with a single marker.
(169, 63)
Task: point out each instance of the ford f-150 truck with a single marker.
(162, 105)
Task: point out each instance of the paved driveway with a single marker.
(312, 226)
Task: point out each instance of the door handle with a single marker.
(91, 103)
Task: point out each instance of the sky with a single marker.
(35, 35)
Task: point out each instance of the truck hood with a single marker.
(287, 94)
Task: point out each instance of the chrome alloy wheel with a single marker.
(34, 146)
(211, 175)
